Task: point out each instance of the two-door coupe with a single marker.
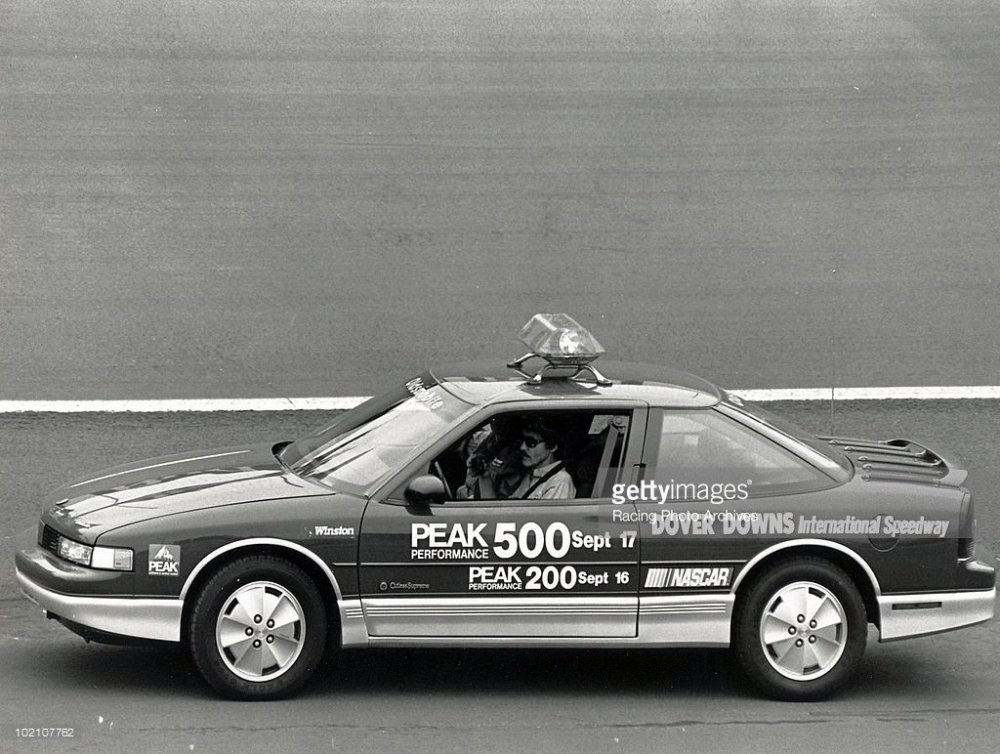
(631, 506)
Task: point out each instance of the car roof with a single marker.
(481, 382)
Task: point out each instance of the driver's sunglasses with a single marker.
(530, 442)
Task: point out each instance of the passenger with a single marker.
(546, 478)
(493, 468)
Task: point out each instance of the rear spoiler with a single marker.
(902, 456)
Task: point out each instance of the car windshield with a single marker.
(374, 438)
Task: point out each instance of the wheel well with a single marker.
(313, 571)
(842, 560)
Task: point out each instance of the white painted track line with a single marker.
(954, 392)
(919, 393)
(182, 404)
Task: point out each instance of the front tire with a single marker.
(800, 632)
(258, 629)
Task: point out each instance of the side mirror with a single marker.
(424, 490)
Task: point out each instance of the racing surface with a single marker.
(930, 694)
(298, 198)
(222, 199)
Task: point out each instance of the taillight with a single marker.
(967, 528)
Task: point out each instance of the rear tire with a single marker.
(801, 629)
(258, 629)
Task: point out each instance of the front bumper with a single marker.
(156, 619)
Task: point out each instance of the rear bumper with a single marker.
(157, 619)
(904, 616)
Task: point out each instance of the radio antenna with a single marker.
(833, 351)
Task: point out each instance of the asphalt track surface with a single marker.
(305, 198)
(931, 694)
(225, 200)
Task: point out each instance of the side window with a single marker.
(699, 448)
(536, 455)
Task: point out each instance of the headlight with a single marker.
(107, 558)
(74, 551)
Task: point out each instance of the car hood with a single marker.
(173, 484)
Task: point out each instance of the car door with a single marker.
(545, 569)
(713, 493)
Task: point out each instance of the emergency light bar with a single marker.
(562, 342)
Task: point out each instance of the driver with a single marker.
(546, 478)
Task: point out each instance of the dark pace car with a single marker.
(563, 506)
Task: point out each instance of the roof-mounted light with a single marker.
(560, 339)
(563, 343)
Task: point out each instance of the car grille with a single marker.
(49, 539)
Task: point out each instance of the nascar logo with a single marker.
(669, 578)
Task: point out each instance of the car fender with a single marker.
(207, 560)
(798, 543)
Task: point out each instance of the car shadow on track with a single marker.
(162, 671)
(516, 672)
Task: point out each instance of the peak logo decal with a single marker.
(164, 560)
